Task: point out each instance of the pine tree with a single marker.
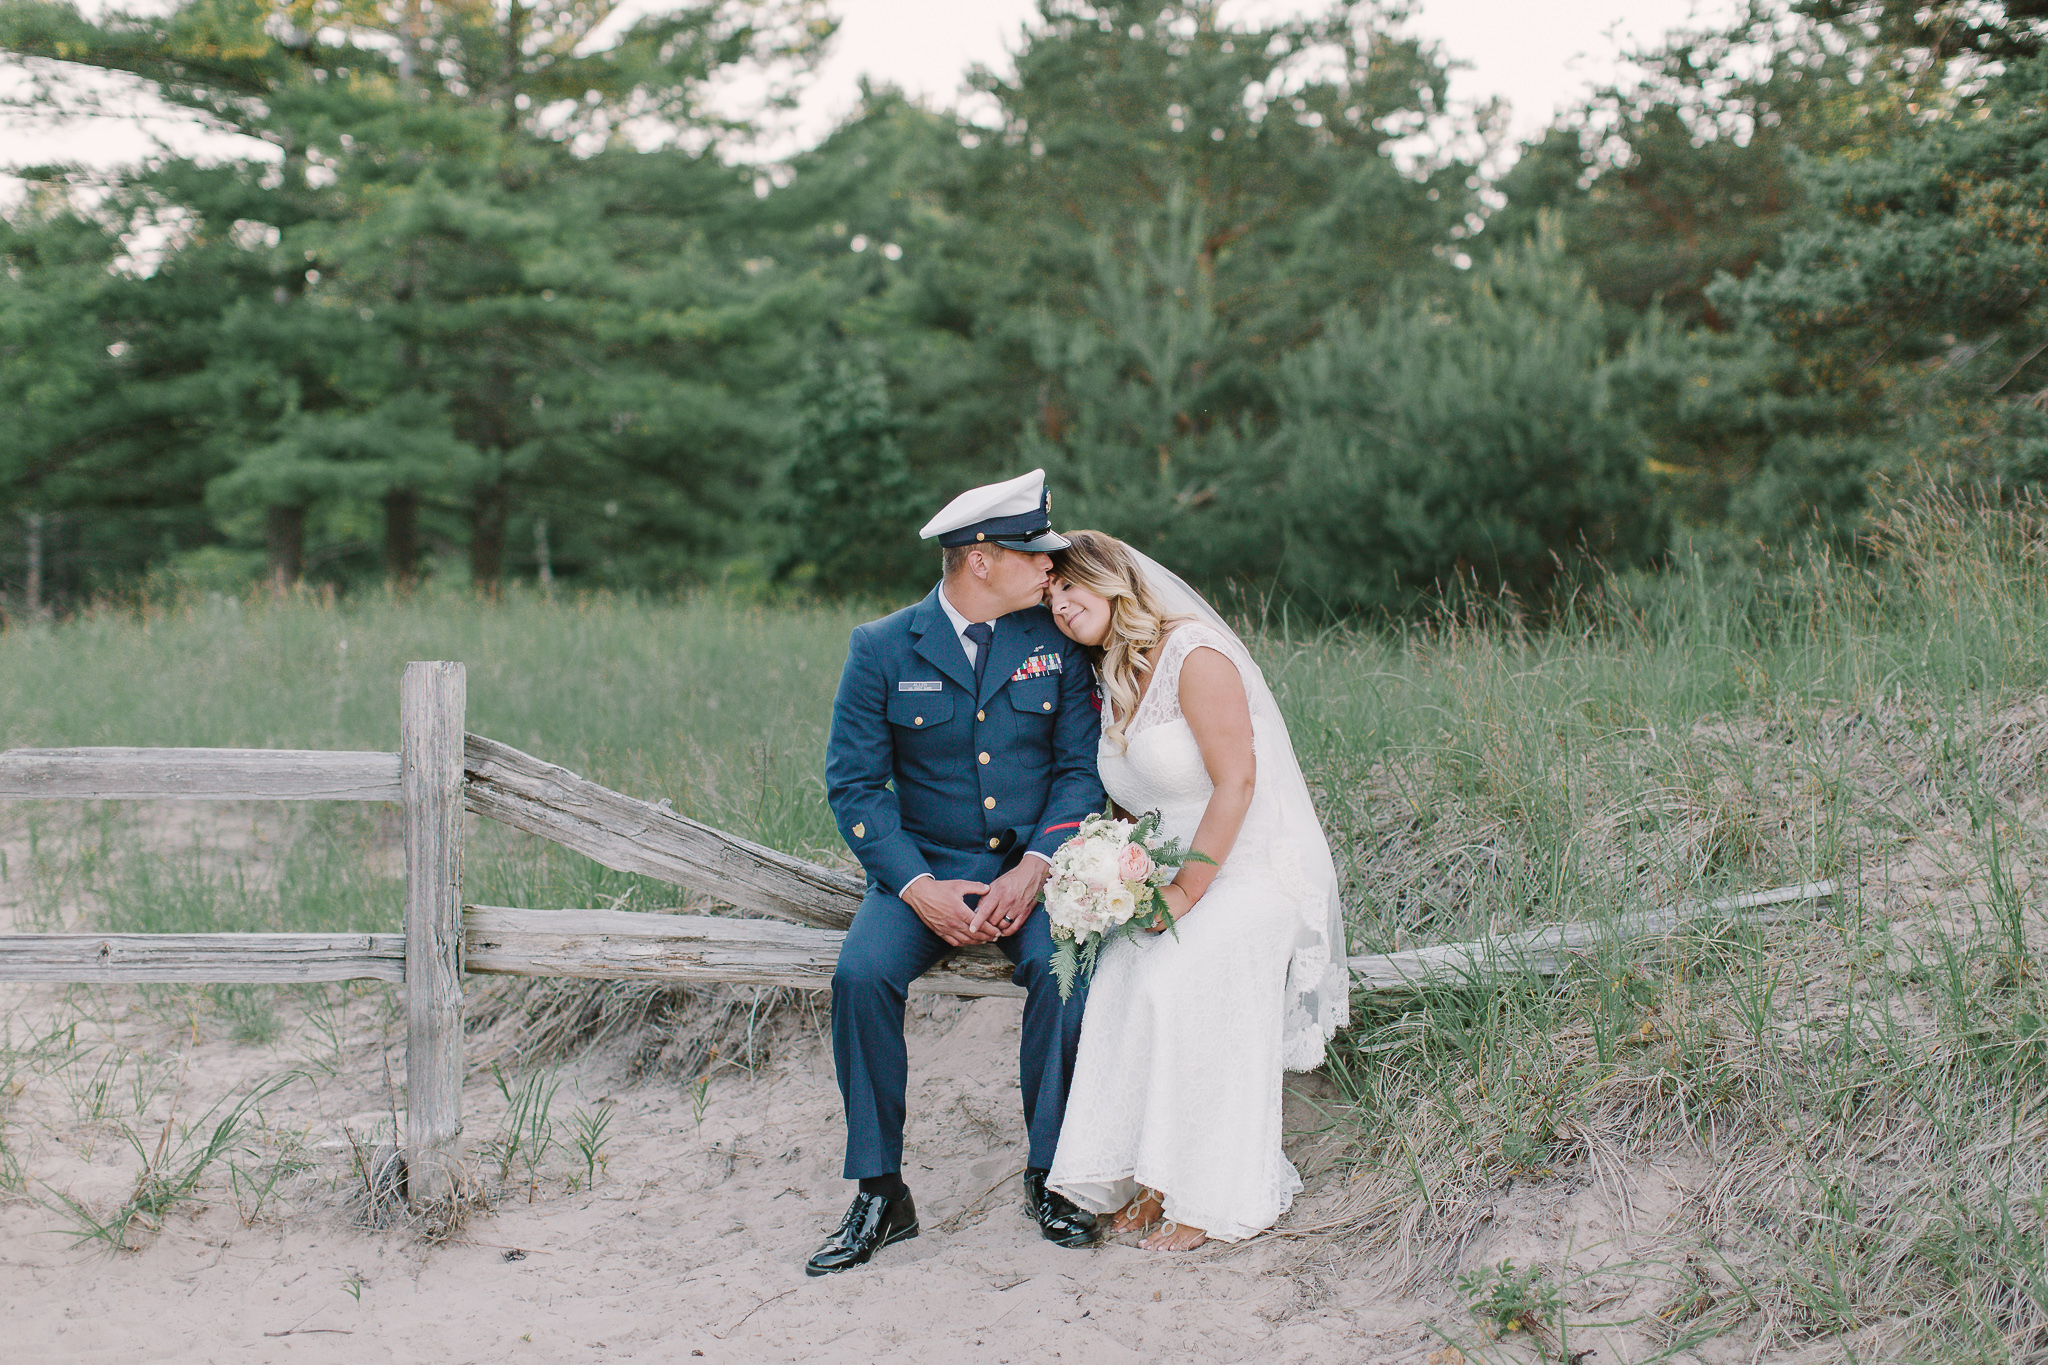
(1467, 442)
(1911, 302)
(414, 304)
(101, 471)
(1691, 171)
(849, 506)
(1141, 433)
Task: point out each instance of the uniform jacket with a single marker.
(976, 780)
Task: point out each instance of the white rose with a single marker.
(1099, 870)
(1118, 904)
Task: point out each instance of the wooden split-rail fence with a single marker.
(439, 773)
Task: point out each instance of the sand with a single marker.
(691, 1241)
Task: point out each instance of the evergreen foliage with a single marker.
(1909, 304)
(458, 288)
(1467, 441)
(848, 490)
(499, 278)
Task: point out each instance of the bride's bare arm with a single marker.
(1213, 701)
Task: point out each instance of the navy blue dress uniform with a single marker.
(928, 773)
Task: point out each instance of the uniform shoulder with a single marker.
(895, 623)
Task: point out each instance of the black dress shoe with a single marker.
(872, 1222)
(1058, 1219)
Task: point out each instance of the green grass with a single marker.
(721, 708)
(1868, 1080)
(172, 1169)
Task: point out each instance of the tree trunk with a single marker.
(542, 556)
(487, 539)
(410, 27)
(401, 535)
(510, 114)
(32, 549)
(284, 538)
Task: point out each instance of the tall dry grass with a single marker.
(1854, 1100)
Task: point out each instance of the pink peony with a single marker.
(1134, 864)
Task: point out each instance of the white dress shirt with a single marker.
(960, 625)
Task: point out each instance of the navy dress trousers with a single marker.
(926, 772)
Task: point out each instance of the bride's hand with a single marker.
(1186, 904)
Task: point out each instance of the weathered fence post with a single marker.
(431, 702)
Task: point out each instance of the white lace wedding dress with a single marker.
(1177, 1086)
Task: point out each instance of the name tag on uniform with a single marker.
(1038, 666)
(932, 686)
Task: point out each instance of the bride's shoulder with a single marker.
(1187, 635)
(1186, 632)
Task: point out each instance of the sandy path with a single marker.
(692, 1241)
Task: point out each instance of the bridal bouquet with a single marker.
(1107, 880)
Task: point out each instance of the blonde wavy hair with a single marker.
(1103, 565)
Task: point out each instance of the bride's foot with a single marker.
(1141, 1213)
(1175, 1237)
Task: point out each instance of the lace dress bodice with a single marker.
(1160, 767)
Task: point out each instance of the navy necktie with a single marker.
(983, 634)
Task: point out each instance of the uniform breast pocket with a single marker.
(1035, 696)
(920, 710)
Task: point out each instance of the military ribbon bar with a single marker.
(1038, 666)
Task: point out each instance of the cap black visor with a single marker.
(1044, 543)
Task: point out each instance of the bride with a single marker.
(1174, 1116)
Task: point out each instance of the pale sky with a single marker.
(1537, 54)
(1540, 55)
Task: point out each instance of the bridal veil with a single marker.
(1318, 976)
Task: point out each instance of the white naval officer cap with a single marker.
(1015, 514)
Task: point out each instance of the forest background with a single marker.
(507, 303)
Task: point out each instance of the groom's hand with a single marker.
(943, 908)
(1007, 905)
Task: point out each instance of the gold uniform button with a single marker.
(995, 843)
(984, 758)
(1048, 706)
(981, 715)
(989, 801)
(860, 831)
(918, 721)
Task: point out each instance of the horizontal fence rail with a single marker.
(134, 959)
(630, 835)
(1552, 949)
(198, 775)
(640, 945)
(645, 945)
(650, 946)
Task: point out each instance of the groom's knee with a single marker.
(1031, 950)
(879, 956)
(865, 978)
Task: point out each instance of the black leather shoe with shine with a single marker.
(1059, 1221)
(872, 1222)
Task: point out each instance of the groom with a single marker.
(962, 749)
